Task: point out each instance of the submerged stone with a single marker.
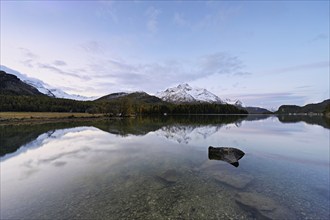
(228, 154)
(263, 207)
(238, 181)
(169, 176)
(226, 174)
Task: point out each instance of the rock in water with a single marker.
(238, 181)
(228, 154)
(263, 207)
(169, 176)
(225, 174)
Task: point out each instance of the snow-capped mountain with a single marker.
(184, 93)
(44, 87)
(234, 102)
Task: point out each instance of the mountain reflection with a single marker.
(181, 129)
(12, 137)
(144, 125)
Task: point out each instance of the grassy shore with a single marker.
(44, 117)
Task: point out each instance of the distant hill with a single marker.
(257, 110)
(310, 108)
(112, 96)
(125, 104)
(11, 85)
(134, 98)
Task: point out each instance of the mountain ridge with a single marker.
(43, 87)
(12, 85)
(139, 96)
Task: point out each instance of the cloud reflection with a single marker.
(59, 148)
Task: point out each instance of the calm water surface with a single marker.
(159, 169)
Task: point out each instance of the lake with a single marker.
(159, 168)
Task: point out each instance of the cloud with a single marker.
(59, 63)
(321, 36)
(308, 66)
(242, 74)
(220, 16)
(158, 75)
(152, 16)
(142, 76)
(27, 53)
(108, 74)
(220, 63)
(179, 19)
(62, 72)
(215, 18)
(277, 95)
(303, 87)
(28, 63)
(128, 76)
(120, 65)
(28, 57)
(272, 100)
(107, 9)
(93, 47)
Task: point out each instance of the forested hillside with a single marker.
(321, 107)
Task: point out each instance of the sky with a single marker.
(265, 53)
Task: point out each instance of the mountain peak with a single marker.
(185, 86)
(234, 102)
(184, 93)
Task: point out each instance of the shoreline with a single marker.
(17, 118)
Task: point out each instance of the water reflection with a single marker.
(228, 154)
(13, 137)
(312, 120)
(160, 168)
(182, 129)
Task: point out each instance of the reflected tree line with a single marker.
(313, 120)
(14, 136)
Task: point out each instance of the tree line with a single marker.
(42, 104)
(122, 107)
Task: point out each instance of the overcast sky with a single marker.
(265, 53)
